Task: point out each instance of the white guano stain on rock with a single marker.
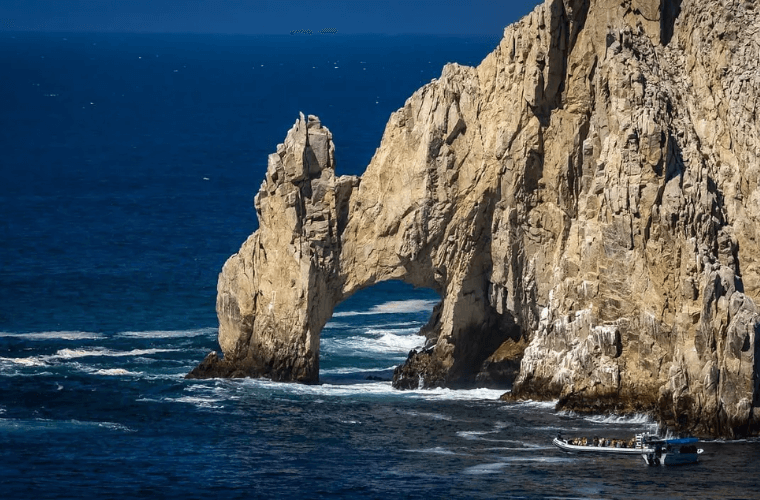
(586, 201)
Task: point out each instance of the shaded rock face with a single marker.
(275, 295)
(586, 202)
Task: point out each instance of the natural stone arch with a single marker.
(567, 194)
(321, 238)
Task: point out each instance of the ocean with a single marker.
(128, 166)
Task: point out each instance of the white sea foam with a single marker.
(393, 307)
(635, 419)
(347, 370)
(540, 459)
(525, 445)
(408, 326)
(148, 400)
(387, 342)
(374, 389)
(53, 335)
(381, 331)
(494, 468)
(479, 435)
(435, 451)
(170, 334)
(116, 372)
(102, 351)
(459, 394)
(336, 325)
(473, 435)
(545, 405)
(43, 424)
(434, 416)
(200, 402)
(115, 427)
(31, 361)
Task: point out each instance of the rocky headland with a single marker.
(586, 201)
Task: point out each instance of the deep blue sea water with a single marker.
(128, 165)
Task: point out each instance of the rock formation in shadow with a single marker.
(586, 201)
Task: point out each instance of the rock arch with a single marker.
(321, 238)
(585, 201)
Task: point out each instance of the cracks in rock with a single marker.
(669, 12)
(504, 280)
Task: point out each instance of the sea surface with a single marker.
(128, 166)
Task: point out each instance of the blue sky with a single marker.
(487, 17)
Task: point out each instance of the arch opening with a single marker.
(372, 332)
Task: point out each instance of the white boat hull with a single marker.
(565, 446)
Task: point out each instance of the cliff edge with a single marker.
(586, 201)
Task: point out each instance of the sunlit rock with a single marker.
(586, 201)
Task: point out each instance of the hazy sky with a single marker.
(486, 17)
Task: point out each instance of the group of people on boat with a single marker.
(604, 442)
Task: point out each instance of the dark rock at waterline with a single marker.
(213, 366)
(576, 190)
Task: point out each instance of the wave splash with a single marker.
(392, 307)
(80, 335)
(382, 342)
(102, 351)
(169, 334)
(39, 336)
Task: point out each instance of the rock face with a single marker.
(586, 201)
(278, 291)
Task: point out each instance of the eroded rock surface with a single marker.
(586, 201)
(279, 290)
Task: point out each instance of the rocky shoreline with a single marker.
(586, 201)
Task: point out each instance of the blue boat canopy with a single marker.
(682, 441)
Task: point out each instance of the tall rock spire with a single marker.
(586, 201)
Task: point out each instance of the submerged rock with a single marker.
(586, 201)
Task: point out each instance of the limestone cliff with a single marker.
(586, 201)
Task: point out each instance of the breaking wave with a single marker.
(102, 351)
(200, 402)
(373, 389)
(393, 307)
(383, 342)
(53, 335)
(635, 419)
(351, 369)
(169, 334)
(545, 405)
(116, 372)
(32, 361)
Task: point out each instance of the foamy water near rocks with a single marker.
(586, 201)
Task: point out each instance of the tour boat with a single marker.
(603, 445)
(672, 451)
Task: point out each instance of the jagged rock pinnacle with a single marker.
(586, 201)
